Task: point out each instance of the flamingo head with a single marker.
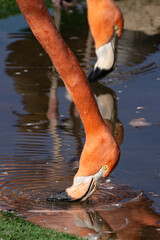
(91, 171)
(106, 58)
(82, 188)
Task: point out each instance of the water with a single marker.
(41, 135)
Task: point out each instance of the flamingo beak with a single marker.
(106, 59)
(82, 188)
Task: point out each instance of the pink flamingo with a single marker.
(101, 153)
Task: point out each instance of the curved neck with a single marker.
(44, 29)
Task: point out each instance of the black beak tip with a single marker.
(61, 196)
(98, 74)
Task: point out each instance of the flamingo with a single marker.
(101, 152)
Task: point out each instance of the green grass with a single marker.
(16, 228)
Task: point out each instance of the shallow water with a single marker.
(42, 136)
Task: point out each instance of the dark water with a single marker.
(41, 135)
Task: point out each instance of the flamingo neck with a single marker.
(44, 29)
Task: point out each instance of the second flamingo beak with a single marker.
(106, 59)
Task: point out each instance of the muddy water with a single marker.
(41, 135)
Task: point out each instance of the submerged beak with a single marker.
(82, 188)
(106, 59)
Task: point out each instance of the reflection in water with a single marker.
(134, 219)
(116, 222)
(49, 139)
(107, 104)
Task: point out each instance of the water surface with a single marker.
(42, 137)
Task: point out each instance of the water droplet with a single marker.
(154, 194)
(139, 122)
(108, 180)
(116, 204)
(140, 108)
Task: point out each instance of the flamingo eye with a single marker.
(116, 28)
(105, 167)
